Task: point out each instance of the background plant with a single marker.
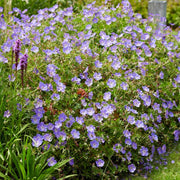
(139, 6)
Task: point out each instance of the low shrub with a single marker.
(103, 86)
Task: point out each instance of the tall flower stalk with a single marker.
(16, 51)
(23, 65)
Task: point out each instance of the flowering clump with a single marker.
(103, 86)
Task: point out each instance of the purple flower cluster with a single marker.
(16, 50)
(35, 119)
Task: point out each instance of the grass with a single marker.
(169, 171)
(172, 170)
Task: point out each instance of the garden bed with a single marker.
(99, 89)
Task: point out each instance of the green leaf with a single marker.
(22, 129)
(2, 175)
(16, 161)
(9, 170)
(47, 173)
(23, 171)
(30, 162)
(69, 176)
(1, 156)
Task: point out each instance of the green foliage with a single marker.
(173, 14)
(24, 163)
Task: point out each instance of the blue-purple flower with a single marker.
(127, 133)
(90, 111)
(80, 120)
(131, 119)
(107, 96)
(176, 135)
(124, 86)
(136, 102)
(70, 123)
(94, 144)
(42, 127)
(99, 163)
(132, 168)
(71, 162)
(58, 124)
(43, 87)
(144, 151)
(156, 106)
(116, 65)
(89, 81)
(62, 117)
(35, 49)
(111, 83)
(61, 87)
(97, 76)
(134, 145)
(128, 141)
(37, 140)
(7, 114)
(38, 103)
(98, 64)
(11, 77)
(91, 135)
(161, 75)
(60, 134)
(145, 88)
(51, 161)
(90, 128)
(177, 79)
(50, 126)
(48, 137)
(75, 134)
(78, 59)
(117, 147)
(139, 124)
(51, 70)
(55, 97)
